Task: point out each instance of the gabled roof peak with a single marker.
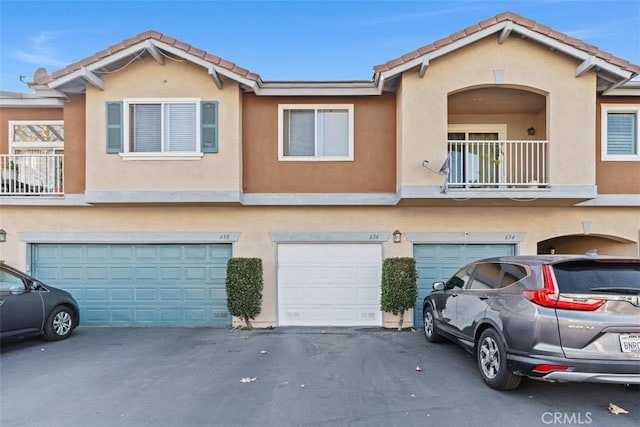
(496, 21)
(140, 39)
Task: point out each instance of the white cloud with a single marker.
(41, 51)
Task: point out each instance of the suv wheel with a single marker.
(492, 362)
(429, 323)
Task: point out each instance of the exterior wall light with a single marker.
(3, 235)
(397, 236)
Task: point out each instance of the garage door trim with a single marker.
(467, 237)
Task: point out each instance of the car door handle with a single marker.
(483, 297)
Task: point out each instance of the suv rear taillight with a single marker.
(548, 296)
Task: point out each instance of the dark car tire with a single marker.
(492, 362)
(429, 326)
(60, 324)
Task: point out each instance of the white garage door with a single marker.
(329, 284)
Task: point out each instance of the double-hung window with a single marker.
(620, 138)
(315, 132)
(174, 127)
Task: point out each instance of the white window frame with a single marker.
(160, 155)
(618, 108)
(284, 107)
(499, 128)
(52, 147)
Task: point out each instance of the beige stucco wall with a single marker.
(255, 224)
(148, 79)
(422, 106)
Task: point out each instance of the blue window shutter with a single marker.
(209, 126)
(115, 137)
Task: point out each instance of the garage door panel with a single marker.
(146, 273)
(71, 273)
(121, 273)
(97, 294)
(122, 295)
(195, 294)
(120, 252)
(368, 296)
(146, 295)
(301, 275)
(340, 294)
(169, 273)
(136, 284)
(195, 273)
(145, 253)
(329, 284)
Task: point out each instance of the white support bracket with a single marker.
(215, 77)
(423, 67)
(154, 52)
(506, 31)
(585, 66)
(93, 79)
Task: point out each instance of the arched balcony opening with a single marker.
(497, 138)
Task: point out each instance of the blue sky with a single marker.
(286, 40)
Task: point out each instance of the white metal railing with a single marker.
(31, 174)
(497, 164)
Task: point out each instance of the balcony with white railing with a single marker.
(31, 174)
(497, 164)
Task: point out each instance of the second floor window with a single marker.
(620, 138)
(156, 127)
(315, 132)
(161, 128)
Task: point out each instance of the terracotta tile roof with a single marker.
(508, 16)
(140, 38)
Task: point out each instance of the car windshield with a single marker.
(598, 277)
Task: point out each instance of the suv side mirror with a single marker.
(438, 286)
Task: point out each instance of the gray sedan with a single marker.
(28, 307)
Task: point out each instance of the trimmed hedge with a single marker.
(244, 284)
(399, 285)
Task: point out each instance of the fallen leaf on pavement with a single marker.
(615, 409)
(264, 352)
(248, 379)
(418, 368)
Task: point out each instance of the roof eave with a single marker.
(90, 72)
(317, 88)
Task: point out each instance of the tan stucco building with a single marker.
(135, 183)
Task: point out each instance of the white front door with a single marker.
(329, 284)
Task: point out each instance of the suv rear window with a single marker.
(588, 276)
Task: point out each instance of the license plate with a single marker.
(630, 343)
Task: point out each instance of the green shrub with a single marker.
(399, 286)
(244, 285)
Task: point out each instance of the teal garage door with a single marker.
(437, 263)
(139, 285)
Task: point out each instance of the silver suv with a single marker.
(554, 318)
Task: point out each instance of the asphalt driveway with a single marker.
(294, 377)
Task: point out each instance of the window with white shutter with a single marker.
(620, 139)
